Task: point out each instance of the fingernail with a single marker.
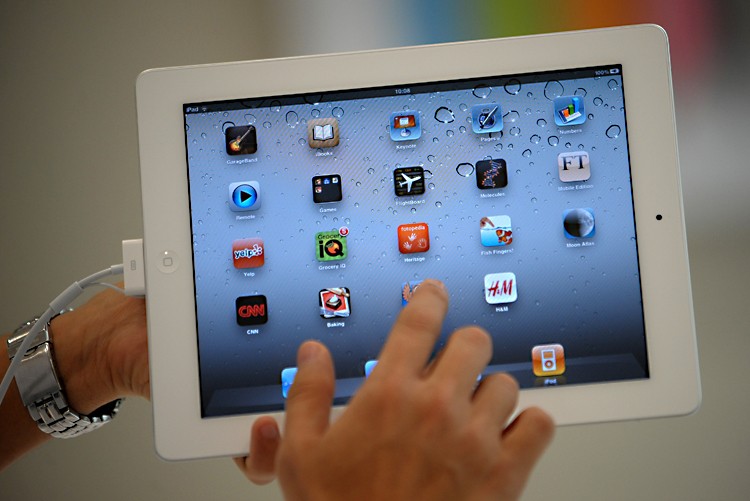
(269, 431)
(307, 352)
(437, 283)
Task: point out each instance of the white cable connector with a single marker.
(133, 267)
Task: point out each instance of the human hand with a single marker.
(100, 354)
(101, 350)
(414, 430)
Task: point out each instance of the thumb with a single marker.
(260, 465)
(308, 407)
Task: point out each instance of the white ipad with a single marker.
(300, 198)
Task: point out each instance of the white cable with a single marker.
(56, 306)
(110, 286)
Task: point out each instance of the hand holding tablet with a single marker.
(414, 431)
(291, 199)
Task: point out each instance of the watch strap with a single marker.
(42, 391)
(61, 421)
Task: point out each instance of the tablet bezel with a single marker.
(673, 387)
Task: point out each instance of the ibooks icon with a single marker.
(323, 132)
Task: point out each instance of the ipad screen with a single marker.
(317, 216)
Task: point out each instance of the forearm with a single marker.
(99, 351)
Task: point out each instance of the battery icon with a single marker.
(614, 71)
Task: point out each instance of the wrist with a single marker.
(101, 350)
(80, 356)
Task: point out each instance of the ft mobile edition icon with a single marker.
(573, 166)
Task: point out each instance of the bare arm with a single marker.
(100, 354)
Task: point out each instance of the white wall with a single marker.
(69, 194)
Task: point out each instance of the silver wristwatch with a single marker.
(42, 393)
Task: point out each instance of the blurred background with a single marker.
(70, 193)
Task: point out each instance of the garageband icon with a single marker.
(408, 181)
(241, 140)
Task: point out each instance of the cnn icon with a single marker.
(251, 310)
